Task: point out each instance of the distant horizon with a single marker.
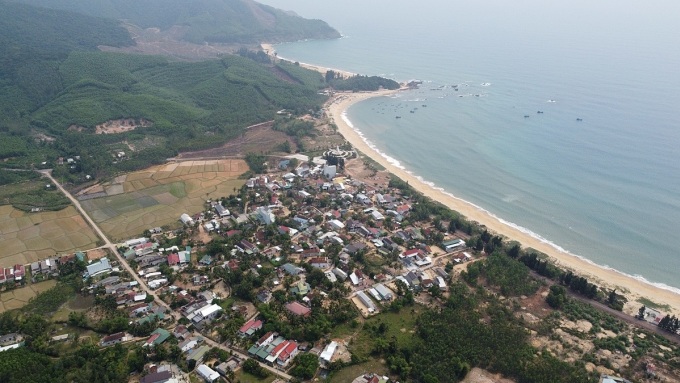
(581, 207)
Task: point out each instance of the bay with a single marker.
(606, 188)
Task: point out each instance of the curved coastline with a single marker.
(632, 286)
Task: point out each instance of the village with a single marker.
(258, 281)
(297, 240)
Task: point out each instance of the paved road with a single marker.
(109, 245)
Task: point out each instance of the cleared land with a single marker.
(17, 298)
(159, 195)
(30, 237)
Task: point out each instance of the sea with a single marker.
(560, 118)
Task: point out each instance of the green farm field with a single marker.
(30, 237)
(159, 195)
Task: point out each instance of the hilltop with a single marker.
(213, 21)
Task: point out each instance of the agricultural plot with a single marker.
(17, 298)
(159, 195)
(30, 237)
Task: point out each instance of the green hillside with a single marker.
(53, 78)
(242, 21)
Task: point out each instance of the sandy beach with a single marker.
(271, 51)
(630, 287)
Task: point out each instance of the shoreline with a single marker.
(271, 51)
(631, 287)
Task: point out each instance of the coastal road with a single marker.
(109, 245)
(615, 313)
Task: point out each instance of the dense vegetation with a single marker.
(462, 334)
(220, 21)
(360, 83)
(26, 191)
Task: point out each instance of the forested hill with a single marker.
(32, 42)
(56, 86)
(221, 21)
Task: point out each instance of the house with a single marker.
(331, 277)
(180, 332)
(264, 296)
(336, 225)
(207, 373)
(292, 269)
(327, 353)
(265, 339)
(250, 328)
(100, 267)
(157, 377)
(221, 210)
(287, 354)
(363, 198)
(340, 274)
(157, 337)
(355, 247)
(298, 309)
(188, 344)
(197, 354)
(265, 215)
(301, 288)
(366, 301)
(329, 171)
(112, 339)
(384, 292)
(453, 244)
(208, 312)
(186, 219)
(320, 262)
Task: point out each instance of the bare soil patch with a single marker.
(257, 138)
(121, 125)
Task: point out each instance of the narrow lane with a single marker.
(109, 245)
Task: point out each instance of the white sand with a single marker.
(632, 288)
(269, 49)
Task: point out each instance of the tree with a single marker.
(305, 366)
(556, 297)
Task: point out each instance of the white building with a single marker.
(265, 215)
(329, 171)
(328, 352)
(186, 219)
(207, 373)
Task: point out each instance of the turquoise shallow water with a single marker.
(606, 188)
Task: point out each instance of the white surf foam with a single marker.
(513, 225)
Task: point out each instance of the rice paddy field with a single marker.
(157, 196)
(17, 298)
(30, 237)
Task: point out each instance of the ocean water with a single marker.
(606, 188)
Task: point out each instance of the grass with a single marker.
(399, 325)
(32, 194)
(159, 195)
(350, 373)
(654, 305)
(244, 377)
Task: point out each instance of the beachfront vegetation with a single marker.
(359, 83)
